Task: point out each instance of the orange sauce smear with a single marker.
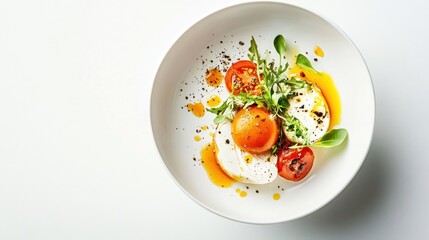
(214, 101)
(197, 109)
(213, 170)
(214, 77)
(325, 83)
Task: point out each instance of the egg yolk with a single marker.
(253, 130)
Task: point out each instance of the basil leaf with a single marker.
(332, 138)
(302, 60)
(280, 45)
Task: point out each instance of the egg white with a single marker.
(240, 165)
(309, 107)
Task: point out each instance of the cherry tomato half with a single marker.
(294, 164)
(242, 76)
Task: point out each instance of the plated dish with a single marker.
(274, 115)
(262, 118)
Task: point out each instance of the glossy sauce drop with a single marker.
(213, 170)
(214, 101)
(241, 193)
(327, 86)
(276, 196)
(197, 138)
(319, 51)
(197, 109)
(214, 77)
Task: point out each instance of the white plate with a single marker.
(181, 76)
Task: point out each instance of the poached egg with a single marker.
(309, 106)
(240, 165)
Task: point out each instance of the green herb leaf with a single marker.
(283, 102)
(280, 45)
(253, 49)
(220, 109)
(220, 119)
(301, 134)
(276, 96)
(332, 138)
(297, 83)
(302, 60)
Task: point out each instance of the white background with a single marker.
(77, 157)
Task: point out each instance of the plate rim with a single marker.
(283, 4)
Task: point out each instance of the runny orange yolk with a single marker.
(253, 130)
(213, 170)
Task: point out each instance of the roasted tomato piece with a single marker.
(294, 164)
(242, 77)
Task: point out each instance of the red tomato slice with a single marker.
(294, 164)
(242, 76)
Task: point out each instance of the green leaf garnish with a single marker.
(276, 90)
(302, 60)
(254, 54)
(332, 138)
(292, 124)
(280, 45)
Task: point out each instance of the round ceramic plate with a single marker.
(216, 42)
